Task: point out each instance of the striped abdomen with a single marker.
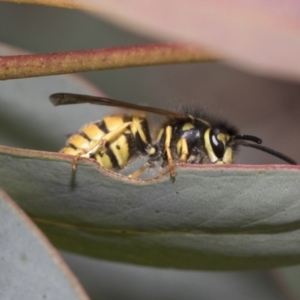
(120, 148)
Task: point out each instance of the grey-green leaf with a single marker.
(231, 217)
(30, 267)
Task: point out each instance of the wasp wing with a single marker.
(66, 98)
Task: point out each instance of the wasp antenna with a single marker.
(246, 137)
(270, 151)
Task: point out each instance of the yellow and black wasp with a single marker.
(116, 140)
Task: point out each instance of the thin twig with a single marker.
(23, 66)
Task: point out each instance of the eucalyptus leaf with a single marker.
(30, 267)
(227, 217)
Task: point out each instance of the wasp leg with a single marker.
(182, 148)
(110, 136)
(99, 145)
(168, 151)
(140, 171)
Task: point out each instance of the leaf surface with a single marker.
(226, 217)
(31, 267)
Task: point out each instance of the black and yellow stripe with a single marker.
(134, 139)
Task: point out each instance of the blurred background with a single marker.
(265, 107)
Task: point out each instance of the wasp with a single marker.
(184, 137)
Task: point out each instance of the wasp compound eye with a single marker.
(217, 141)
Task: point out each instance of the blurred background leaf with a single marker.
(261, 36)
(31, 267)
